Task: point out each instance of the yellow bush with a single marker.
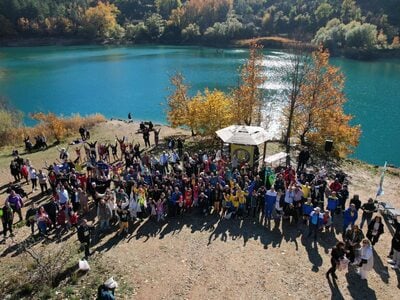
(51, 126)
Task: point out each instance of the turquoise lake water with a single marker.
(118, 80)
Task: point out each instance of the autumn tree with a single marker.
(295, 72)
(214, 112)
(100, 20)
(164, 7)
(319, 114)
(203, 114)
(248, 97)
(205, 12)
(177, 101)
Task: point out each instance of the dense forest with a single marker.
(363, 24)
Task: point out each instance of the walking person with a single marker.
(30, 217)
(7, 219)
(337, 254)
(16, 203)
(84, 231)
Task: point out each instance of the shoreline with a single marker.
(268, 42)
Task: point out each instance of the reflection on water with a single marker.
(115, 80)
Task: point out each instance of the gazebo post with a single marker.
(264, 151)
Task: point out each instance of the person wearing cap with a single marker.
(316, 222)
(106, 290)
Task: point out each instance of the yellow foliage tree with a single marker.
(319, 114)
(215, 111)
(101, 19)
(248, 96)
(178, 101)
(204, 113)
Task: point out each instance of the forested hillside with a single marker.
(335, 23)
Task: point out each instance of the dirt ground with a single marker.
(196, 257)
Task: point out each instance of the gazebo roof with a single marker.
(243, 135)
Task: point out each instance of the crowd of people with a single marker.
(134, 185)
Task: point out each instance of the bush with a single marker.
(50, 125)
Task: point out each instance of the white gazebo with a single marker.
(244, 139)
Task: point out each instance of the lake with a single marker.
(118, 80)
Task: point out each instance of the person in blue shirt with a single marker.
(316, 222)
(349, 217)
(333, 203)
(270, 201)
(307, 207)
(174, 199)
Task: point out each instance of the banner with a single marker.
(245, 154)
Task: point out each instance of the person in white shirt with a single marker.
(33, 177)
(164, 158)
(63, 196)
(366, 259)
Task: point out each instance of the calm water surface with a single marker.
(116, 80)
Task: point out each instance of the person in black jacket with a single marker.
(30, 217)
(368, 209)
(396, 251)
(375, 229)
(338, 253)
(356, 201)
(303, 158)
(84, 236)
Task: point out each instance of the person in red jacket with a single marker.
(335, 186)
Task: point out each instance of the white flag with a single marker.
(380, 187)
